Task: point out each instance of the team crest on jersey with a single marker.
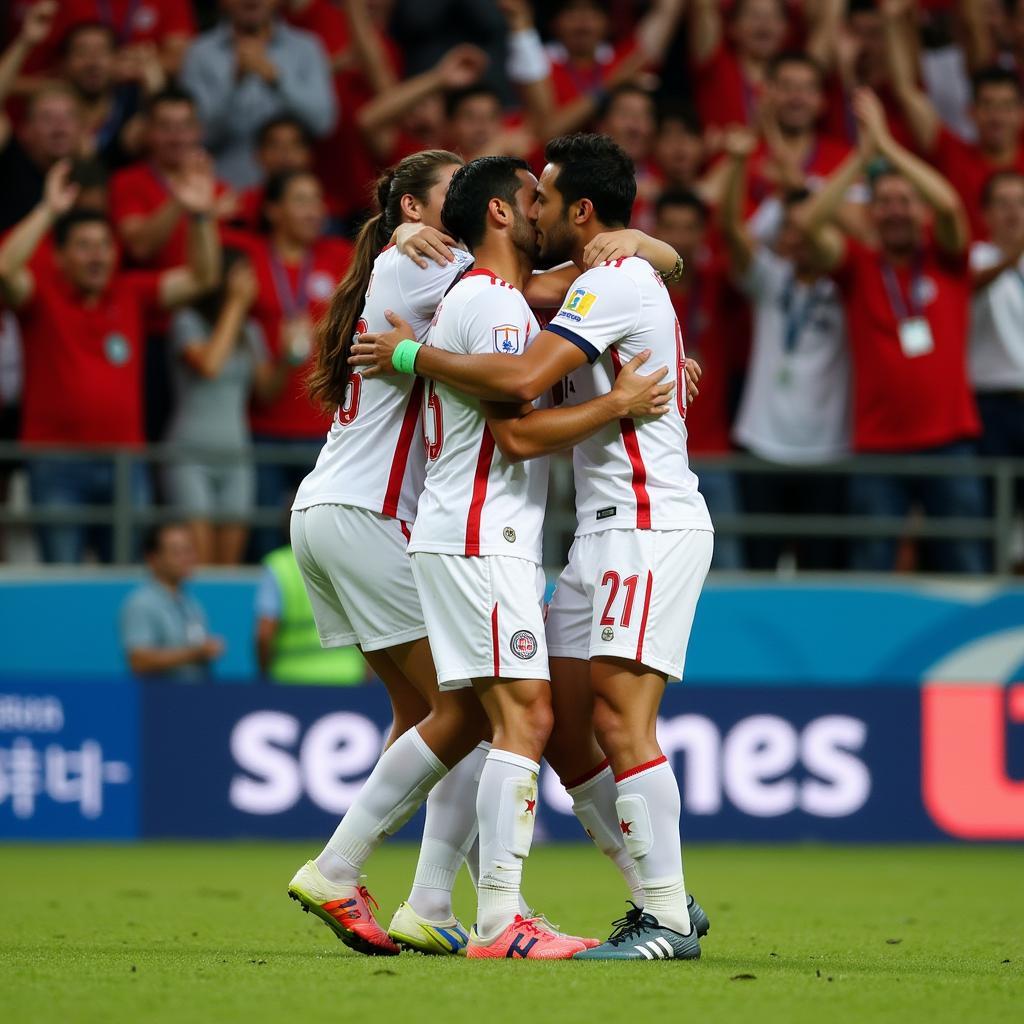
(578, 305)
(607, 633)
(506, 340)
(509, 534)
(523, 644)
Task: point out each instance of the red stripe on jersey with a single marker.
(483, 272)
(405, 530)
(494, 641)
(401, 458)
(632, 444)
(643, 619)
(628, 774)
(476, 503)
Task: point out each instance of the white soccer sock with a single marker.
(392, 794)
(648, 807)
(593, 803)
(448, 833)
(473, 867)
(506, 808)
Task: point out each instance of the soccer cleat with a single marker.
(638, 936)
(544, 923)
(523, 939)
(345, 909)
(698, 917)
(437, 938)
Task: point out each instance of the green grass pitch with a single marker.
(204, 932)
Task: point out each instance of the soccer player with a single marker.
(625, 602)
(476, 543)
(351, 521)
(350, 528)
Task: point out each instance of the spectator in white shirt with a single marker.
(795, 409)
(996, 352)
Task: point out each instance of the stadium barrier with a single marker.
(1004, 478)
(838, 630)
(123, 760)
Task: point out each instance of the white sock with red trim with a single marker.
(648, 807)
(405, 774)
(593, 803)
(448, 834)
(506, 804)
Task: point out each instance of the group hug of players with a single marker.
(418, 534)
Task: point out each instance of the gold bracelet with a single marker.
(676, 273)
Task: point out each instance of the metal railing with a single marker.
(1004, 476)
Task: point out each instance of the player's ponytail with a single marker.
(416, 175)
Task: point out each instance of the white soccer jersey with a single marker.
(374, 455)
(996, 354)
(475, 502)
(633, 474)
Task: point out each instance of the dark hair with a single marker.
(170, 94)
(69, 37)
(618, 91)
(67, 222)
(675, 111)
(556, 7)
(681, 197)
(283, 121)
(154, 536)
(994, 75)
(473, 186)
(796, 57)
(862, 7)
(454, 99)
(993, 181)
(737, 8)
(594, 167)
(878, 171)
(793, 196)
(277, 184)
(416, 175)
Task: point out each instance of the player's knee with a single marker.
(537, 719)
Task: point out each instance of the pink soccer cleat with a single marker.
(345, 909)
(524, 939)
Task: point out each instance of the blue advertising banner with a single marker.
(69, 760)
(753, 763)
(85, 760)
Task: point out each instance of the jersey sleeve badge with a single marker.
(578, 304)
(507, 340)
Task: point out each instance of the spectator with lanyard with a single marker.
(795, 409)
(296, 269)
(906, 303)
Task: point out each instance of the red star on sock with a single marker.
(627, 827)
(530, 805)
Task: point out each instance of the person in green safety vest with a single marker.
(287, 644)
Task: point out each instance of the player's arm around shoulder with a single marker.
(523, 432)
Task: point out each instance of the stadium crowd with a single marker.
(180, 183)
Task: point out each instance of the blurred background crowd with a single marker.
(180, 183)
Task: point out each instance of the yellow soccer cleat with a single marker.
(436, 938)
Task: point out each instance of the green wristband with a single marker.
(403, 359)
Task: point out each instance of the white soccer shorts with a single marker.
(630, 594)
(358, 576)
(484, 617)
